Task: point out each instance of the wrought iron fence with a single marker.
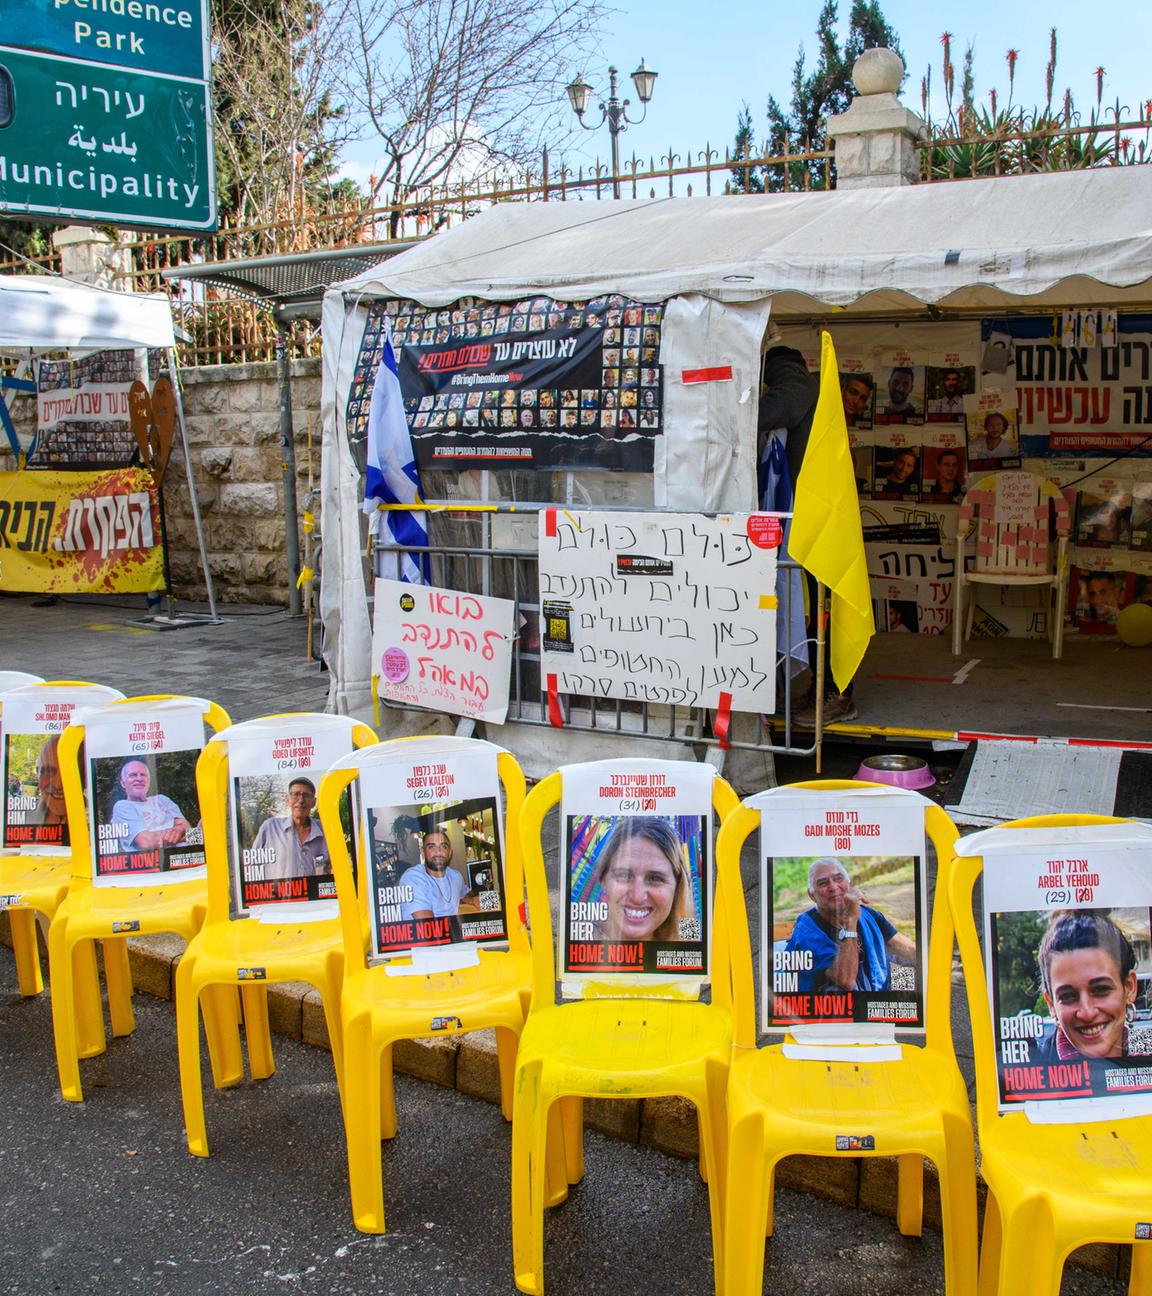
(221, 327)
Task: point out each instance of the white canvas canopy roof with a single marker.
(720, 265)
(41, 313)
(975, 243)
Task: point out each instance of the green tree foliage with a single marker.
(278, 124)
(745, 179)
(822, 91)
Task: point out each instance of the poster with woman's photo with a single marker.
(143, 808)
(435, 844)
(844, 936)
(1068, 944)
(33, 719)
(279, 851)
(636, 861)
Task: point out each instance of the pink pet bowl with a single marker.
(899, 771)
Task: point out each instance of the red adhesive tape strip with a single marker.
(550, 523)
(720, 373)
(723, 720)
(555, 715)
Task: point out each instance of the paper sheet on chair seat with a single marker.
(1010, 780)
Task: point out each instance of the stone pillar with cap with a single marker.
(876, 140)
(90, 256)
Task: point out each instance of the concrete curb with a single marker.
(468, 1063)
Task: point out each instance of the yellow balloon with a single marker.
(1134, 625)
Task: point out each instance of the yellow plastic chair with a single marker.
(252, 953)
(378, 1009)
(778, 1106)
(1051, 1187)
(35, 883)
(633, 1045)
(155, 902)
(10, 679)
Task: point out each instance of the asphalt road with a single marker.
(103, 1196)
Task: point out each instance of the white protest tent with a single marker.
(41, 314)
(721, 265)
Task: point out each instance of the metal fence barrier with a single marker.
(467, 551)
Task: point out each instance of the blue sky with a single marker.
(713, 58)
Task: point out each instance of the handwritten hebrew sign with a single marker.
(443, 650)
(675, 608)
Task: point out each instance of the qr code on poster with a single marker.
(689, 929)
(903, 977)
(489, 901)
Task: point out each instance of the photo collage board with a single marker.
(933, 407)
(520, 385)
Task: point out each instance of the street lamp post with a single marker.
(615, 111)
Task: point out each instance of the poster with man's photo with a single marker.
(1068, 944)
(844, 936)
(434, 834)
(945, 387)
(143, 808)
(1096, 598)
(993, 440)
(33, 719)
(279, 851)
(531, 384)
(636, 862)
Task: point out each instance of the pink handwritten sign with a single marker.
(443, 650)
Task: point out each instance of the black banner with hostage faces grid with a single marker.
(531, 384)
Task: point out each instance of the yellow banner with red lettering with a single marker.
(80, 532)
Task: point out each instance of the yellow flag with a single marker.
(826, 537)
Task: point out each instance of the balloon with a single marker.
(1134, 625)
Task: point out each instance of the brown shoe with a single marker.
(838, 708)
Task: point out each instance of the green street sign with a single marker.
(89, 142)
(168, 36)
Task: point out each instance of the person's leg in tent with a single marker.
(838, 707)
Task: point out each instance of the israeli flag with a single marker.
(392, 476)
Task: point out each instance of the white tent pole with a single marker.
(174, 368)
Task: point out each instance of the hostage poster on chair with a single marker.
(530, 384)
(1067, 939)
(143, 807)
(843, 928)
(279, 852)
(636, 862)
(33, 720)
(434, 830)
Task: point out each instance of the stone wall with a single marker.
(234, 434)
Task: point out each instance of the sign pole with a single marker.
(174, 369)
